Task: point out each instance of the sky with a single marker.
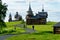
(50, 6)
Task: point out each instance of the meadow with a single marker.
(10, 28)
(44, 32)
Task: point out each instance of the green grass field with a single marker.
(41, 28)
(10, 29)
(44, 32)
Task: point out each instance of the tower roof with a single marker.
(30, 7)
(30, 12)
(42, 8)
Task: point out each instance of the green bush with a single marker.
(11, 31)
(4, 31)
(0, 32)
(7, 31)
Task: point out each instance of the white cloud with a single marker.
(49, 5)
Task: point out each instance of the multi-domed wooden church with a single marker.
(40, 18)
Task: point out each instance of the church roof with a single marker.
(34, 17)
(42, 14)
(30, 12)
(30, 7)
(39, 15)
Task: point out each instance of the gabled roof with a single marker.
(30, 12)
(42, 14)
(57, 25)
(37, 16)
(34, 17)
(30, 7)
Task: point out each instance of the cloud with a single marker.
(48, 4)
(51, 6)
(20, 1)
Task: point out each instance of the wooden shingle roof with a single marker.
(57, 25)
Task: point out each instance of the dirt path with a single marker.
(28, 30)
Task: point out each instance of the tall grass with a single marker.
(44, 32)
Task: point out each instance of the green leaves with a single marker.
(3, 10)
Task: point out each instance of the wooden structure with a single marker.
(56, 28)
(39, 18)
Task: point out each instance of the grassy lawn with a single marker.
(44, 32)
(41, 28)
(36, 37)
(10, 28)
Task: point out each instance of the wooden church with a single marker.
(40, 18)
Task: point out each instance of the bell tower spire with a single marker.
(42, 8)
(30, 7)
(30, 12)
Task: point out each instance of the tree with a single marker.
(3, 10)
(10, 17)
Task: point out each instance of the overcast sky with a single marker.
(51, 6)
